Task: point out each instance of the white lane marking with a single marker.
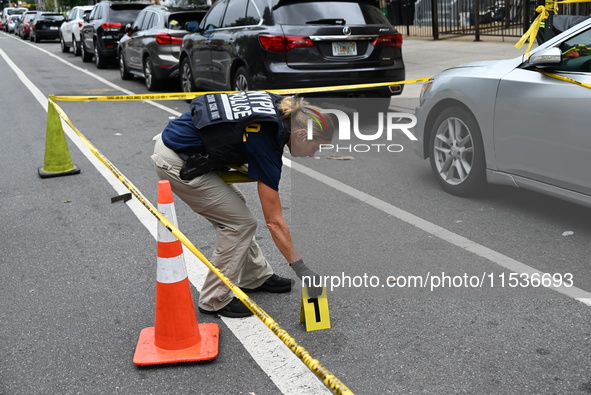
(435, 230)
(286, 370)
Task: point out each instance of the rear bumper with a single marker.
(281, 76)
(166, 66)
(48, 34)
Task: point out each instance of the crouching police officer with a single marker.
(251, 128)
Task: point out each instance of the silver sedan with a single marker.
(524, 122)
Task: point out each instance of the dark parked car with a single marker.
(276, 44)
(46, 26)
(25, 26)
(104, 27)
(152, 45)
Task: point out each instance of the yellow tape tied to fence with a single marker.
(544, 12)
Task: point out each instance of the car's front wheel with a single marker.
(125, 74)
(65, 47)
(187, 84)
(76, 46)
(457, 152)
(100, 60)
(86, 56)
(152, 83)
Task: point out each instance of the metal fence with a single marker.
(506, 18)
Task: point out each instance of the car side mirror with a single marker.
(192, 26)
(546, 57)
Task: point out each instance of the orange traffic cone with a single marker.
(176, 336)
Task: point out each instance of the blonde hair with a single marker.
(298, 112)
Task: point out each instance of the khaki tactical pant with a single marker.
(236, 254)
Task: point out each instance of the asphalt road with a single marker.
(77, 278)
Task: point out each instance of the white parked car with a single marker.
(12, 21)
(70, 29)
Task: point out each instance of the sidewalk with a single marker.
(427, 57)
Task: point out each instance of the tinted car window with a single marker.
(126, 14)
(576, 53)
(53, 17)
(252, 14)
(215, 15)
(177, 20)
(235, 14)
(322, 12)
(139, 21)
(153, 20)
(147, 21)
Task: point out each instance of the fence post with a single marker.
(434, 20)
(477, 20)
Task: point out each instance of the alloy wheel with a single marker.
(453, 151)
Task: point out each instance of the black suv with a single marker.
(104, 27)
(285, 44)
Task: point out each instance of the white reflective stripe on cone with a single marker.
(169, 212)
(171, 270)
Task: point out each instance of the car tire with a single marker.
(186, 77)
(76, 46)
(456, 152)
(36, 38)
(100, 60)
(63, 45)
(152, 83)
(241, 80)
(125, 74)
(86, 56)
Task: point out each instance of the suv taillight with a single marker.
(165, 38)
(111, 26)
(283, 44)
(394, 40)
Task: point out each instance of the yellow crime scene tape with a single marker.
(192, 95)
(565, 79)
(313, 364)
(544, 12)
(531, 34)
(329, 379)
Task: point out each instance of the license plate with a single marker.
(52, 27)
(344, 48)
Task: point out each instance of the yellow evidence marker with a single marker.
(314, 311)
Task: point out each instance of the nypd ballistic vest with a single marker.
(222, 119)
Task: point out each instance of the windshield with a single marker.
(16, 11)
(125, 15)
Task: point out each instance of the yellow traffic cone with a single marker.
(58, 161)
